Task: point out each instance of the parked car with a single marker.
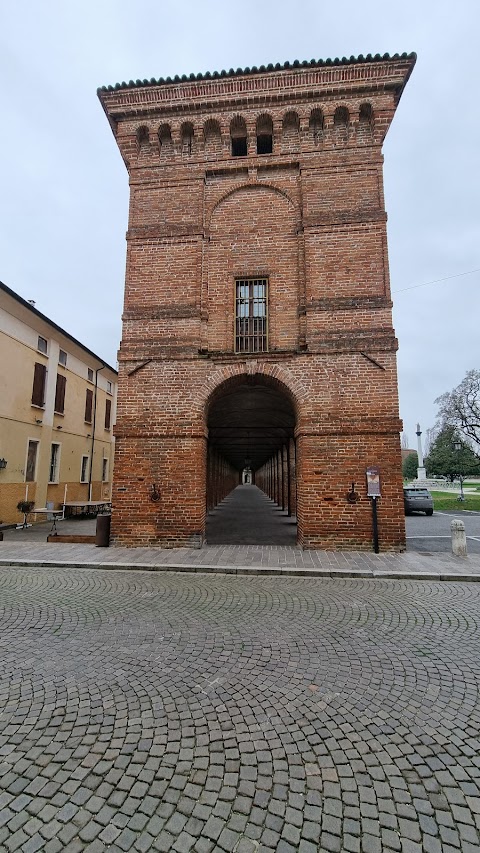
(417, 499)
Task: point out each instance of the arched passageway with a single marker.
(251, 423)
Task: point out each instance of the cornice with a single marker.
(263, 70)
(138, 96)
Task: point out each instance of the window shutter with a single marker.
(108, 413)
(60, 393)
(88, 405)
(38, 391)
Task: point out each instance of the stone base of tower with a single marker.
(330, 467)
(159, 491)
(164, 502)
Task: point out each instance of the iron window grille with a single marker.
(251, 315)
(84, 469)
(31, 466)
(54, 459)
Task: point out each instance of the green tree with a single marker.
(410, 465)
(444, 460)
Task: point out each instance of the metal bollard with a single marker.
(459, 539)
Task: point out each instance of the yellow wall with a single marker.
(18, 418)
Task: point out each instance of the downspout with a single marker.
(93, 431)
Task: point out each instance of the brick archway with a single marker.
(250, 420)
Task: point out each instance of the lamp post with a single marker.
(458, 447)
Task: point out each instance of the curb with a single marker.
(315, 572)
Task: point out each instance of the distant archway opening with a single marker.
(251, 424)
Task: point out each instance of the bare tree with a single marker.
(430, 437)
(404, 441)
(460, 408)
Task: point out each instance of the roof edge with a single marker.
(261, 69)
(30, 307)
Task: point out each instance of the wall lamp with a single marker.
(3, 463)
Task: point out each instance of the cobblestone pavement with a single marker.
(177, 712)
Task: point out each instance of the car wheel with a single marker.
(429, 512)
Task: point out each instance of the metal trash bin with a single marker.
(102, 533)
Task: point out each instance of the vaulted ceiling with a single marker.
(250, 420)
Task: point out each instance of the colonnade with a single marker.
(222, 478)
(277, 477)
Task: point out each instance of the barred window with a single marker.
(251, 315)
(84, 469)
(31, 466)
(54, 460)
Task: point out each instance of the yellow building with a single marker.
(57, 410)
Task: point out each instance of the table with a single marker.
(86, 508)
(57, 513)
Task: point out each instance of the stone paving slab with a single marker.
(232, 521)
(242, 560)
(221, 714)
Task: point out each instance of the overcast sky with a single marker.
(64, 189)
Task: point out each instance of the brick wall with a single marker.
(310, 218)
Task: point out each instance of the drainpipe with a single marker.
(93, 431)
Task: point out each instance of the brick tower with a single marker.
(257, 329)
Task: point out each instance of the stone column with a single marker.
(421, 474)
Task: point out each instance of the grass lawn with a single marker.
(445, 500)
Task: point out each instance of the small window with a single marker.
(165, 140)
(264, 135)
(264, 143)
(31, 466)
(108, 413)
(84, 469)
(60, 394)
(251, 315)
(316, 125)
(143, 137)
(104, 470)
(42, 345)
(90, 374)
(239, 147)
(54, 460)
(187, 137)
(109, 387)
(62, 357)
(39, 382)
(88, 405)
(238, 136)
